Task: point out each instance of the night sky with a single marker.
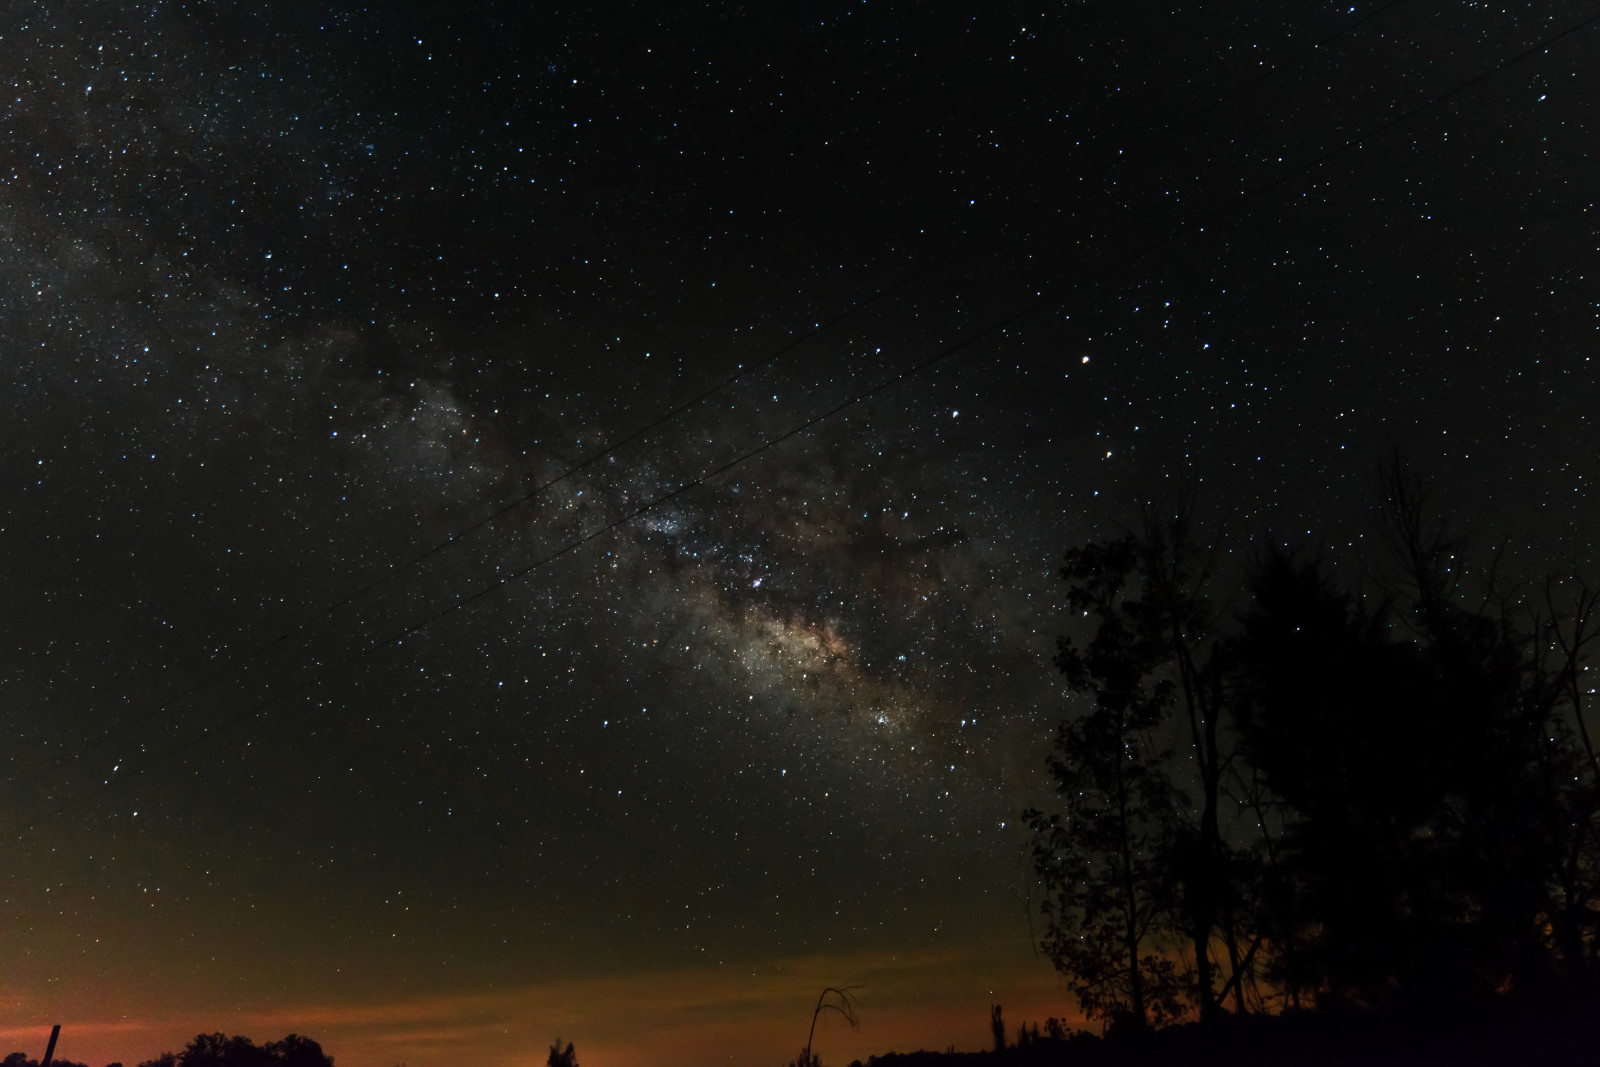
(318, 320)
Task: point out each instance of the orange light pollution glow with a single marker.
(933, 998)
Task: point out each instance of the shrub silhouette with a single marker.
(220, 1050)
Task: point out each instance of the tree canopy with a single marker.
(1382, 794)
(220, 1050)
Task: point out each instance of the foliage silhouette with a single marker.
(220, 1050)
(1388, 796)
(562, 1057)
(22, 1059)
(1103, 862)
(1175, 612)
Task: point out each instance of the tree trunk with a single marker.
(1205, 974)
(1131, 908)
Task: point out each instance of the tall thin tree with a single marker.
(1103, 860)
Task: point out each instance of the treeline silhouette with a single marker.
(220, 1050)
(1374, 799)
(217, 1050)
(21, 1059)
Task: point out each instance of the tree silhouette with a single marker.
(1173, 613)
(1107, 895)
(1426, 754)
(830, 999)
(1414, 760)
(1570, 777)
(296, 1051)
(22, 1059)
(1333, 716)
(559, 1057)
(1525, 852)
(220, 1050)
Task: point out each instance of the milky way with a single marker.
(292, 298)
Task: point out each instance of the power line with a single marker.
(932, 261)
(1042, 301)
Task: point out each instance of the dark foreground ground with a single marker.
(1528, 1039)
